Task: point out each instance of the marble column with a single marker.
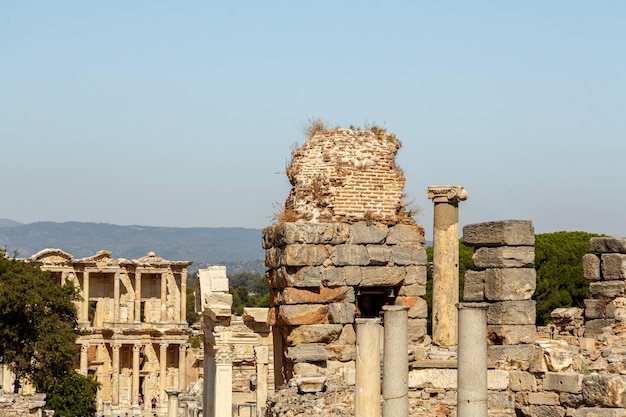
(367, 390)
(172, 402)
(182, 366)
(164, 276)
(84, 358)
(223, 381)
(137, 296)
(183, 296)
(106, 409)
(396, 362)
(162, 369)
(116, 374)
(135, 390)
(208, 397)
(445, 262)
(85, 305)
(116, 297)
(261, 356)
(472, 394)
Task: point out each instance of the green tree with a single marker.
(191, 315)
(249, 289)
(38, 333)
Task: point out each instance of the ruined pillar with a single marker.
(163, 316)
(84, 358)
(116, 297)
(162, 369)
(182, 374)
(472, 392)
(137, 296)
(106, 408)
(261, 356)
(367, 390)
(396, 362)
(223, 381)
(183, 296)
(172, 402)
(135, 380)
(116, 375)
(85, 304)
(445, 262)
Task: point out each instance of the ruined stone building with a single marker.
(132, 323)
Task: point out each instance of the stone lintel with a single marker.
(446, 193)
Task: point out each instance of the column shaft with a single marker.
(183, 296)
(396, 362)
(261, 354)
(367, 390)
(84, 358)
(116, 374)
(164, 296)
(223, 382)
(137, 296)
(135, 391)
(172, 402)
(182, 365)
(85, 310)
(162, 370)
(116, 297)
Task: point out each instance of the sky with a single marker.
(184, 114)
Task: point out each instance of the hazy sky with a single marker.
(185, 113)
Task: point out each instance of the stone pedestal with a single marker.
(396, 362)
(172, 402)
(445, 261)
(367, 391)
(472, 360)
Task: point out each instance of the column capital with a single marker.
(223, 355)
(136, 347)
(84, 347)
(116, 346)
(446, 193)
(164, 345)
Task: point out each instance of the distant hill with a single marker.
(239, 249)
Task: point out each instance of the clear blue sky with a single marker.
(185, 113)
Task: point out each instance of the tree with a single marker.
(38, 331)
(249, 289)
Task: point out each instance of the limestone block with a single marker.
(310, 384)
(313, 333)
(599, 412)
(418, 308)
(276, 277)
(522, 381)
(497, 380)
(317, 295)
(378, 254)
(416, 329)
(433, 378)
(617, 307)
(587, 343)
(504, 256)
(566, 314)
(307, 369)
(415, 274)
(341, 353)
(412, 290)
(608, 244)
(255, 315)
(498, 400)
(217, 304)
(307, 353)
(352, 275)
(606, 290)
(343, 255)
(333, 277)
(511, 334)
(594, 309)
(563, 382)
(550, 355)
(267, 236)
(309, 276)
(591, 267)
(510, 283)
(302, 314)
(219, 284)
(596, 327)
(341, 313)
(613, 266)
(571, 400)
(364, 233)
(512, 312)
(514, 356)
(303, 255)
(408, 254)
(405, 233)
(500, 233)
(474, 286)
(604, 390)
(543, 398)
(271, 258)
(310, 233)
(383, 276)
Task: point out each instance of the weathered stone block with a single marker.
(591, 267)
(317, 295)
(500, 233)
(405, 233)
(510, 283)
(352, 275)
(543, 398)
(364, 233)
(512, 312)
(596, 327)
(599, 412)
(302, 314)
(433, 378)
(309, 276)
(383, 276)
(500, 400)
(313, 333)
(474, 286)
(550, 355)
(511, 334)
(341, 353)
(307, 353)
(608, 244)
(571, 400)
(418, 308)
(504, 257)
(522, 381)
(341, 313)
(407, 254)
(334, 277)
(343, 255)
(416, 329)
(271, 258)
(303, 255)
(594, 309)
(412, 290)
(415, 274)
(307, 233)
(613, 266)
(606, 290)
(378, 254)
(515, 356)
(604, 390)
(497, 379)
(563, 382)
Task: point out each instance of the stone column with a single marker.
(106, 408)
(162, 369)
(116, 374)
(223, 381)
(85, 305)
(446, 262)
(396, 362)
(84, 358)
(208, 397)
(116, 297)
(135, 391)
(137, 296)
(183, 296)
(172, 402)
(63, 277)
(367, 390)
(261, 356)
(164, 296)
(472, 360)
(182, 366)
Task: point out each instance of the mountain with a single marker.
(239, 249)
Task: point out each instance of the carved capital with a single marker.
(84, 348)
(223, 355)
(116, 346)
(136, 347)
(446, 193)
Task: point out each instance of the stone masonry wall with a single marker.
(15, 405)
